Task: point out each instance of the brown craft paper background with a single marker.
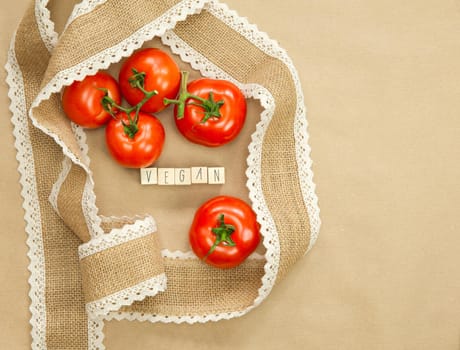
(381, 86)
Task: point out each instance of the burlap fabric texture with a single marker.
(86, 269)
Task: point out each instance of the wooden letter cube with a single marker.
(216, 175)
(199, 175)
(182, 176)
(166, 176)
(149, 176)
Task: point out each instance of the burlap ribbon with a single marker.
(120, 270)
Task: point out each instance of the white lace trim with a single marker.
(30, 204)
(122, 219)
(53, 197)
(140, 228)
(180, 255)
(190, 319)
(88, 203)
(95, 334)
(45, 25)
(149, 288)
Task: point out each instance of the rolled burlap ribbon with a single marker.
(85, 268)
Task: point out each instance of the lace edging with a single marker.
(149, 288)
(180, 255)
(141, 228)
(45, 24)
(30, 204)
(89, 200)
(95, 334)
(190, 319)
(90, 210)
(53, 197)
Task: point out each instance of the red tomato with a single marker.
(157, 72)
(224, 232)
(81, 101)
(217, 124)
(143, 148)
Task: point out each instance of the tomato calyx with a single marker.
(137, 80)
(111, 107)
(223, 235)
(210, 107)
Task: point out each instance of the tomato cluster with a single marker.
(209, 112)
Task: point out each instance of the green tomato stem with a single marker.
(210, 106)
(109, 105)
(223, 235)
